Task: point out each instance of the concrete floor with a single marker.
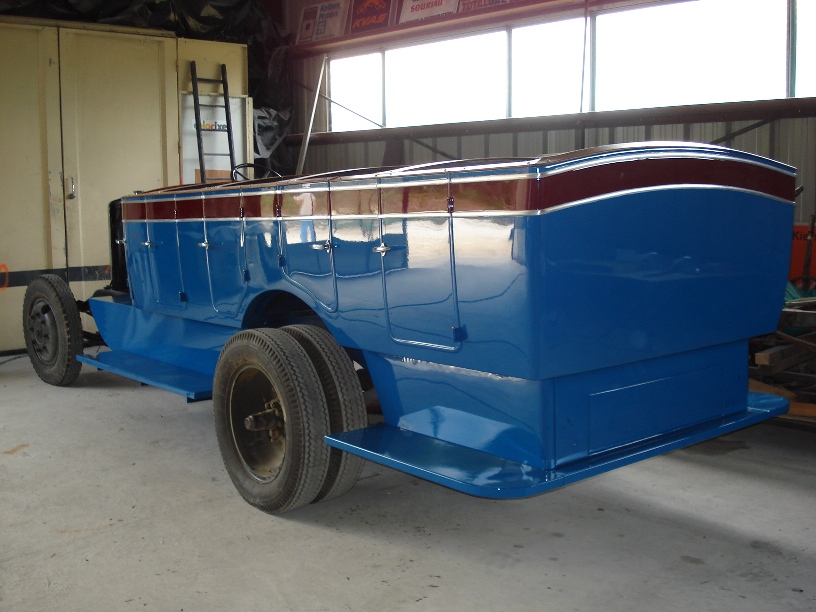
(113, 497)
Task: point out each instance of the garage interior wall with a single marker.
(88, 114)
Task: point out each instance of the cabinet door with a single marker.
(32, 231)
(120, 134)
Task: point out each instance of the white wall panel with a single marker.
(449, 145)
(417, 154)
(530, 144)
(500, 145)
(802, 154)
(668, 132)
(473, 146)
(560, 141)
(630, 134)
(376, 152)
(706, 132)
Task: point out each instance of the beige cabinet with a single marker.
(119, 133)
(32, 223)
(87, 114)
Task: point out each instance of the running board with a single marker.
(484, 475)
(191, 384)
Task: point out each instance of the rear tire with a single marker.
(52, 330)
(344, 398)
(283, 466)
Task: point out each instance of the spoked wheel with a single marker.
(270, 420)
(344, 398)
(52, 330)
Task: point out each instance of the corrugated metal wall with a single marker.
(792, 141)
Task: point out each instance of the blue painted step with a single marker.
(189, 383)
(485, 475)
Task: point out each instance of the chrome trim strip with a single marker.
(410, 182)
(307, 188)
(497, 213)
(584, 163)
(415, 215)
(350, 187)
(660, 188)
(344, 217)
(469, 177)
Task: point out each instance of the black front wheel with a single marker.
(270, 420)
(52, 330)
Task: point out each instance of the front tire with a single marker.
(270, 420)
(52, 330)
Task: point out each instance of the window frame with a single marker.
(589, 76)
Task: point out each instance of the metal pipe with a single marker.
(305, 145)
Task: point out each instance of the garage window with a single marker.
(671, 54)
(806, 48)
(356, 85)
(546, 68)
(691, 53)
(464, 79)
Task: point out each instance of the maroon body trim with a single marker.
(222, 208)
(517, 194)
(190, 209)
(594, 181)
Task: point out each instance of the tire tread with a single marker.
(308, 420)
(344, 399)
(69, 326)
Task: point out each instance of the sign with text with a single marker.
(465, 6)
(370, 15)
(323, 21)
(413, 10)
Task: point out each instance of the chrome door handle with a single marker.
(321, 246)
(382, 249)
(148, 244)
(204, 245)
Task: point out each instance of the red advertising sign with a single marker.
(370, 15)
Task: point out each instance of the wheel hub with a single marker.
(42, 327)
(258, 424)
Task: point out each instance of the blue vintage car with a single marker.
(523, 324)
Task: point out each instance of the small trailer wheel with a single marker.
(270, 420)
(52, 330)
(344, 397)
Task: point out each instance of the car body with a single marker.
(525, 323)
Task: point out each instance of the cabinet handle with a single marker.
(382, 249)
(72, 195)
